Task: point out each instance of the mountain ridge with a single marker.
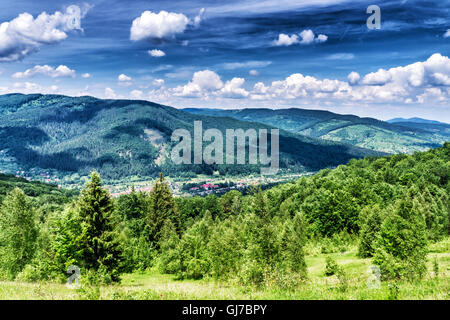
(67, 137)
(364, 132)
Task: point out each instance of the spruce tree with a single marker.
(18, 232)
(100, 248)
(162, 207)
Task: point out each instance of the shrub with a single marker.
(401, 245)
(331, 267)
(370, 223)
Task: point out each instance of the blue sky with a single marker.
(315, 54)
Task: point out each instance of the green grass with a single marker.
(155, 286)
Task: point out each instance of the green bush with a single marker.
(370, 223)
(401, 248)
(331, 266)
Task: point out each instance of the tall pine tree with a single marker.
(100, 248)
(162, 207)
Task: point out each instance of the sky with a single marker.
(312, 54)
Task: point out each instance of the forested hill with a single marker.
(63, 138)
(395, 137)
(35, 189)
(372, 188)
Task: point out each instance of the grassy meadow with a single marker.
(151, 285)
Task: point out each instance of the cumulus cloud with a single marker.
(86, 75)
(321, 38)
(110, 93)
(25, 34)
(206, 84)
(421, 83)
(156, 53)
(424, 83)
(253, 72)
(353, 77)
(158, 25)
(202, 83)
(418, 82)
(136, 94)
(447, 33)
(123, 78)
(306, 37)
(434, 71)
(60, 71)
(378, 78)
(233, 89)
(286, 40)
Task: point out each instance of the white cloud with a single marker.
(158, 82)
(431, 95)
(202, 83)
(380, 77)
(156, 53)
(124, 78)
(31, 87)
(418, 82)
(199, 17)
(233, 89)
(447, 33)
(110, 93)
(353, 78)
(86, 75)
(341, 56)
(247, 64)
(253, 72)
(307, 37)
(158, 25)
(441, 79)
(25, 34)
(136, 94)
(286, 40)
(207, 84)
(60, 71)
(423, 83)
(434, 71)
(322, 38)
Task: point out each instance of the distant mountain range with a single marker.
(394, 136)
(61, 139)
(415, 120)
